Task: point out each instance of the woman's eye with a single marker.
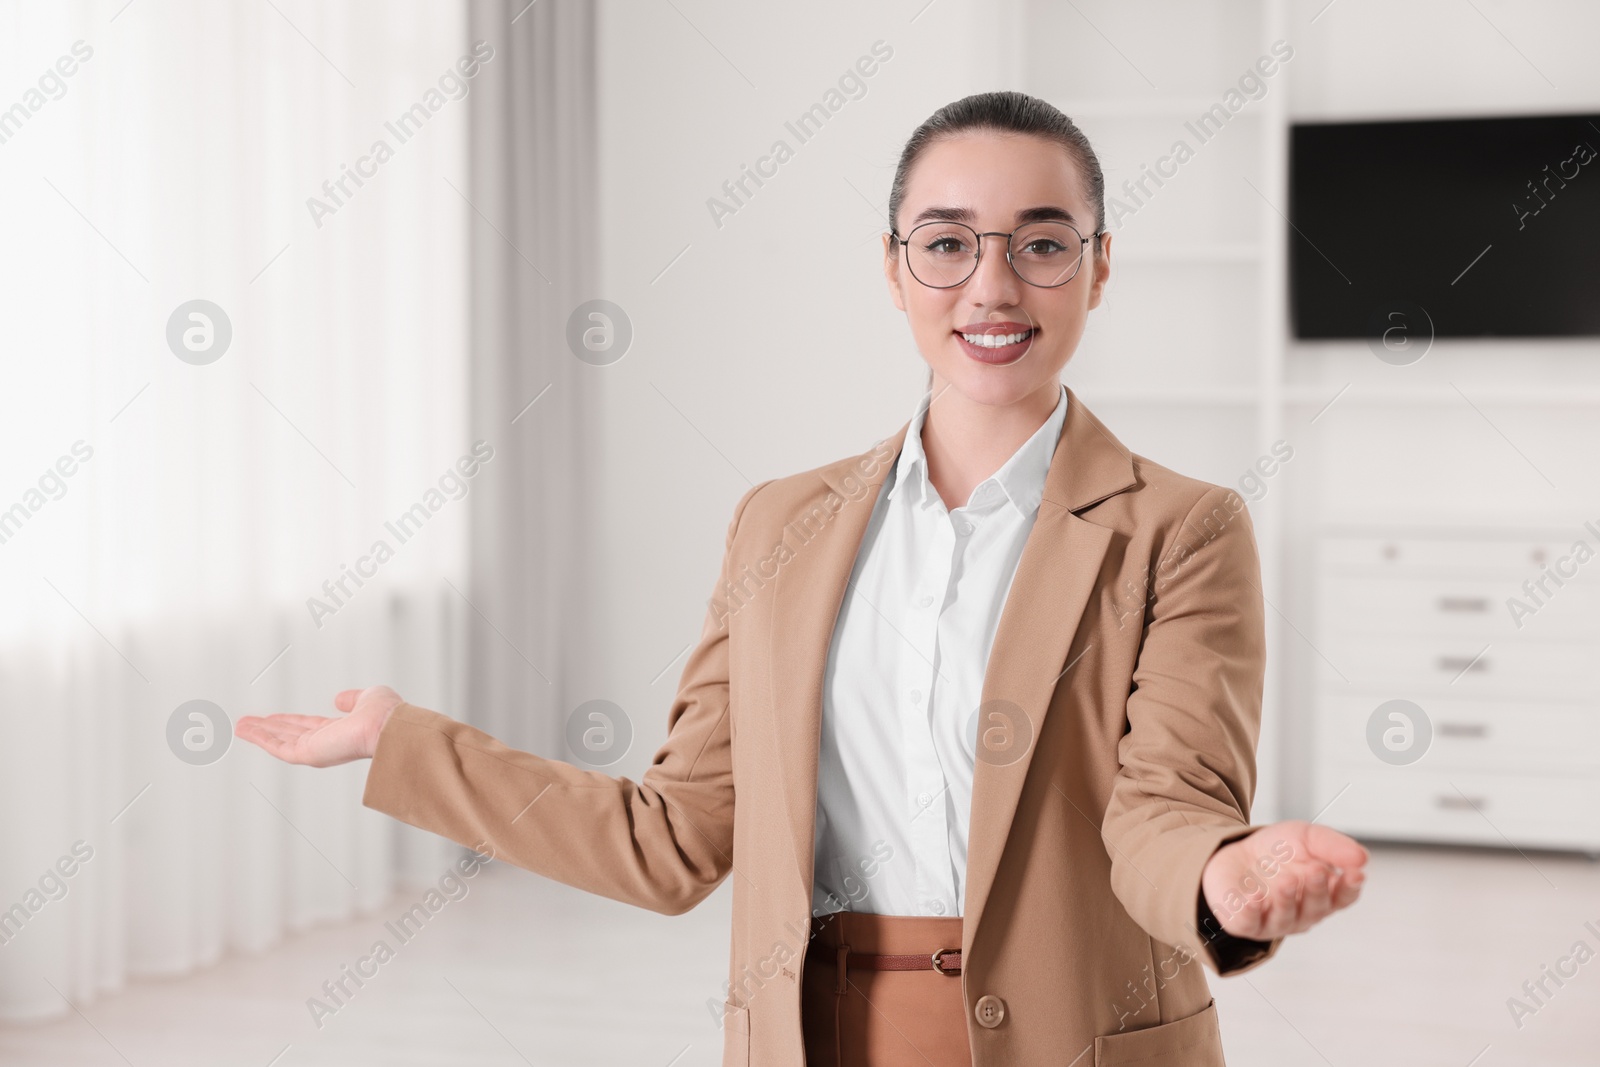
(945, 246)
(1043, 247)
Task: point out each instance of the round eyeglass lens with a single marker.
(942, 254)
(1047, 253)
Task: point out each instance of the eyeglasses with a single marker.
(942, 255)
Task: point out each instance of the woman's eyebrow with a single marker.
(1042, 213)
(1046, 213)
(944, 214)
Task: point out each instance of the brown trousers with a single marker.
(883, 1018)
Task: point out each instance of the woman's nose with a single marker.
(994, 282)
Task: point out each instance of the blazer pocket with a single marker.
(735, 1035)
(1194, 1041)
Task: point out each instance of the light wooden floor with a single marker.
(524, 971)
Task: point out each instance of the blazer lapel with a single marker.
(1055, 577)
(806, 597)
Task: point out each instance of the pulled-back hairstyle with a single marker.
(1005, 112)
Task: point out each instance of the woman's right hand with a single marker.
(318, 741)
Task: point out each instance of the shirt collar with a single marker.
(1020, 478)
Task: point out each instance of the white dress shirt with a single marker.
(904, 677)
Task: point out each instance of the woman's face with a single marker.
(995, 177)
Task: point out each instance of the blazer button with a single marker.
(990, 1009)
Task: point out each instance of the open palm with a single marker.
(319, 741)
(1283, 879)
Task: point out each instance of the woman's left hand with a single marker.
(1282, 879)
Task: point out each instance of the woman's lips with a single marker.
(998, 354)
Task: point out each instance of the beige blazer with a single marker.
(1121, 708)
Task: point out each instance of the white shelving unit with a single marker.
(1441, 717)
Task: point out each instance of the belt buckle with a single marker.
(938, 963)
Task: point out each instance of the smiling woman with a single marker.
(1051, 791)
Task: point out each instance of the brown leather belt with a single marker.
(946, 961)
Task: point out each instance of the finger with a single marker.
(1347, 887)
(1330, 846)
(1246, 921)
(1281, 907)
(346, 699)
(1315, 897)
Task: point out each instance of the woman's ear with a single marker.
(891, 271)
(1102, 269)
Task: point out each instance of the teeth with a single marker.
(996, 340)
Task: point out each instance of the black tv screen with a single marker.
(1482, 227)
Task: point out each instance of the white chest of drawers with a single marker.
(1492, 637)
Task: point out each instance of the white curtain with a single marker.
(165, 522)
(534, 265)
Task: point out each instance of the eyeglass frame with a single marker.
(977, 256)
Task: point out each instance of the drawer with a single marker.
(1523, 557)
(1412, 667)
(1412, 804)
(1519, 737)
(1460, 607)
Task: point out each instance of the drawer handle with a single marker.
(1464, 664)
(1461, 803)
(1464, 604)
(1463, 729)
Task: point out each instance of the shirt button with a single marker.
(924, 601)
(989, 1010)
(963, 528)
(924, 799)
(916, 696)
(938, 907)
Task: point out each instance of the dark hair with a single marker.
(1007, 112)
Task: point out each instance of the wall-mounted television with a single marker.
(1490, 227)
